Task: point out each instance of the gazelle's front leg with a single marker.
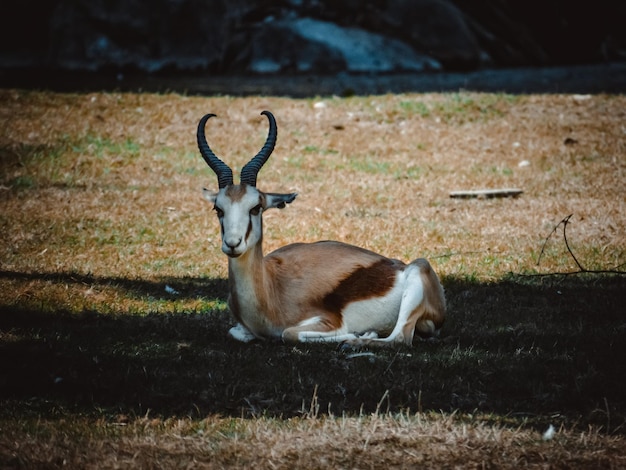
(241, 333)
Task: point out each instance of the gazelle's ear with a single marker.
(209, 195)
(278, 200)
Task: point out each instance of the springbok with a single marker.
(323, 291)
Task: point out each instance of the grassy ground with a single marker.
(113, 318)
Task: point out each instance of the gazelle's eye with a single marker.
(255, 210)
(219, 212)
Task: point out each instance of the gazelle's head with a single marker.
(240, 207)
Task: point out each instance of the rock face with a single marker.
(307, 36)
(147, 35)
(434, 27)
(308, 45)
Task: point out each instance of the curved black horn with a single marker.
(251, 169)
(221, 169)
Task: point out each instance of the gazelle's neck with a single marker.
(249, 264)
(250, 291)
(246, 277)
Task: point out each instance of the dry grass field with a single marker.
(113, 316)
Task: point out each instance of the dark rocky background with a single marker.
(322, 46)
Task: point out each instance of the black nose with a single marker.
(233, 244)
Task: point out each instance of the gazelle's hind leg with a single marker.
(317, 329)
(423, 307)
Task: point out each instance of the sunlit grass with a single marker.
(381, 439)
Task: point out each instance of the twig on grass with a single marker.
(450, 254)
(581, 269)
(486, 193)
(564, 221)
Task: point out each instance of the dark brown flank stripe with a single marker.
(362, 284)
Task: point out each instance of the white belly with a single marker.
(378, 314)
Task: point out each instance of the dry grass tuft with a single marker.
(392, 441)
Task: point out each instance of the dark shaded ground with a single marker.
(559, 354)
(602, 78)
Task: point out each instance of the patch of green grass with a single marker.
(451, 108)
(464, 107)
(413, 173)
(316, 149)
(369, 164)
(22, 182)
(30, 166)
(296, 160)
(415, 107)
(65, 163)
(102, 147)
(188, 163)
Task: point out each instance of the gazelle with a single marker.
(323, 291)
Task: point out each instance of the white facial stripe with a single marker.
(240, 229)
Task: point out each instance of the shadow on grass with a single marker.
(552, 348)
(140, 288)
